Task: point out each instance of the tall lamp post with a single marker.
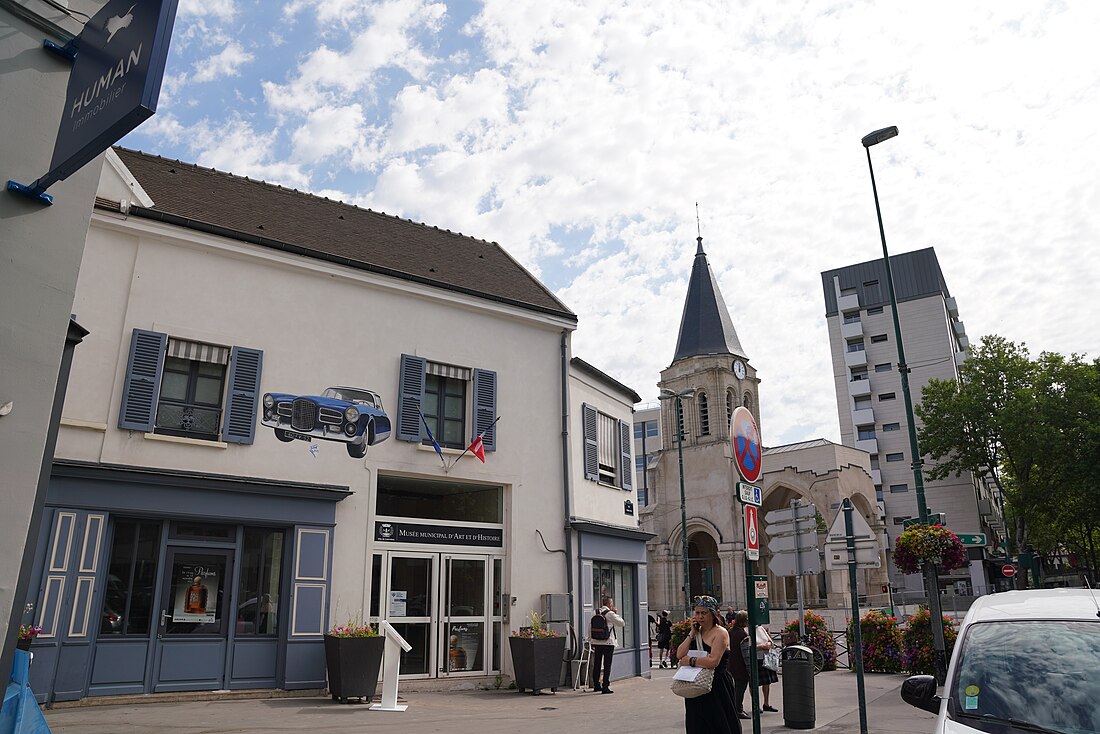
(679, 397)
(931, 576)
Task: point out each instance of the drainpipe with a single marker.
(565, 472)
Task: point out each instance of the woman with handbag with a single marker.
(713, 712)
(767, 675)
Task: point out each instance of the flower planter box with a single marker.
(353, 664)
(537, 663)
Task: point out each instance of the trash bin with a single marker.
(798, 687)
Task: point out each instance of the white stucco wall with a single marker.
(320, 324)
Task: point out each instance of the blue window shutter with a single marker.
(410, 396)
(239, 425)
(625, 437)
(591, 448)
(485, 407)
(141, 386)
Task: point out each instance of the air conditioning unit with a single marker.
(555, 607)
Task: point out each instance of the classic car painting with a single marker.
(351, 415)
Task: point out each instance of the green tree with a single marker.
(1033, 426)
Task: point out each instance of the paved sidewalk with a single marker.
(637, 706)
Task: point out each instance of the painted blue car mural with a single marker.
(351, 415)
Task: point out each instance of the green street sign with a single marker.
(973, 540)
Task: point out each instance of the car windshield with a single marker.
(349, 395)
(1042, 673)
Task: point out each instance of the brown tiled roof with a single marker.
(273, 216)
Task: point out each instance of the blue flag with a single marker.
(431, 438)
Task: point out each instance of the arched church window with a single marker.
(704, 414)
(729, 407)
(680, 419)
(747, 400)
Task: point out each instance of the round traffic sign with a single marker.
(745, 441)
(1008, 571)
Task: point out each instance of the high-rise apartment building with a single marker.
(871, 405)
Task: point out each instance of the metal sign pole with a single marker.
(857, 645)
(754, 673)
(795, 504)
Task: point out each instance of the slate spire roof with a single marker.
(706, 326)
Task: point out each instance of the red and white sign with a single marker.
(1008, 571)
(752, 532)
(745, 440)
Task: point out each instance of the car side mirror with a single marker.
(920, 691)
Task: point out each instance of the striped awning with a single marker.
(197, 351)
(447, 370)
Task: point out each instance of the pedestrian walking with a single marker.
(664, 639)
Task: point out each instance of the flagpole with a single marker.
(480, 435)
(435, 444)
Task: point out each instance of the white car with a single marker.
(1024, 661)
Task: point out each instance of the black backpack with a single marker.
(598, 629)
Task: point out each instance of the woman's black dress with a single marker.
(714, 712)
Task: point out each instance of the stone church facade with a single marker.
(711, 362)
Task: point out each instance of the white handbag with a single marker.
(692, 682)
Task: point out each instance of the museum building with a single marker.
(291, 413)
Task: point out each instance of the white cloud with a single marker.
(221, 9)
(226, 62)
(580, 134)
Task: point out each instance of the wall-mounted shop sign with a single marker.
(118, 64)
(401, 532)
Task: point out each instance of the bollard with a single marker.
(799, 709)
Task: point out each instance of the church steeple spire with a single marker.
(706, 326)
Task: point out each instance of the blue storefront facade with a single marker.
(151, 582)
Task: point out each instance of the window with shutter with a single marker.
(625, 474)
(178, 388)
(447, 396)
(589, 425)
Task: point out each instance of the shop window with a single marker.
(704, 414)
(458, 403)
(258, 590)
(183, 388)
(202, 531)
(439, 500)
(617, 581)
(606, 448)
(128, 599)
(375, 586)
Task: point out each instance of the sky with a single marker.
(592, 139)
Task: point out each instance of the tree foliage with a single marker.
(1033, 426)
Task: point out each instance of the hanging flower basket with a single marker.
(933, 543)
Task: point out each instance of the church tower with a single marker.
(711, 365)
(709, 361)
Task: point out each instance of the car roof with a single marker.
(1080, 604)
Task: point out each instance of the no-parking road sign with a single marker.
(745, 440)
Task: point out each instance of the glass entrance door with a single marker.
(463, 623)
(191, 634)
(412, 610)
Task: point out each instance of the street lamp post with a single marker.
(679, 397)
(931, 576)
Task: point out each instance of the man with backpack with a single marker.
(601, 633)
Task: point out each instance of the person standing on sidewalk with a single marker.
(602, 635)
(766, 676)
(737, 665)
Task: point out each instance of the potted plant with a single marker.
(817, 630)
(929, 543)
(920, 653)
(353, 657)
(881, 638)
(537, 656)
(27, 633)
